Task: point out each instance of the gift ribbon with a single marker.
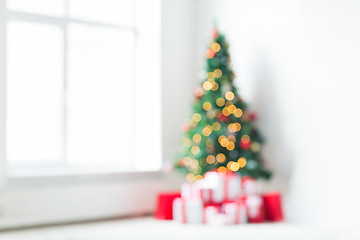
(226, 187)
(183, 211)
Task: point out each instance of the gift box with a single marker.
(235, 212)
(272, 206)
(218, 187)
(190, 191)
(213, 215)
(164, 206)
(249, 186)
(188, 211)
(255, 209)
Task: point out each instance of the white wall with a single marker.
(297, 64)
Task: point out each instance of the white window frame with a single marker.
(141, 37)
(28, 198)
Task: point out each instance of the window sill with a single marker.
(48, 175)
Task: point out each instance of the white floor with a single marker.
(148, 228)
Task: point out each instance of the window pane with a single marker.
(109, 11)
(34, 92)
(47, 7)
(100, 96)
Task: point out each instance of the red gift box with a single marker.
(272, 204)
(164, 209)
(255, 209)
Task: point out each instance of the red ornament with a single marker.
(245, 145)
(185, 127)
(210, 53)
(253, 116)
(214, 33)
(199, 92)
(222, 118)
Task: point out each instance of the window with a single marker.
(82, 85)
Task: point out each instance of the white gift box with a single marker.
(235, 212)
(188, 211)
(249, 186)
(218, 188)
(190, 191)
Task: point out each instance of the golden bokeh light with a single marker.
(232, 138)
(228, 165)
(207, 85)
(190, 177)
(216, 126)
(224, 142)
(245, 139)
(221, 137)
(242, 162)
(220, 158)
(217, 73)
(231, 108)
(234, 166)
(210, 159)
(230, 146)
(215, 47)
(207, 130)
(237, 126)
(238, 113)
(194, 163)
(222, 170)
(207, 106)
(198, 177)
(232, 127)
(195, 150)
(220, 102)
(196, 117)
(225, 111)
(229, 95)
(197, 138)
(215, 87)
(211, 76)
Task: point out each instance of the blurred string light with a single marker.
(220, 102)
(207, 106)
(211, 76)
(242, 162)
(195, 150)
(196, 117)
(220, 158)
(210, 159)
(217, 73)
(229, 95)
(215, 47)
(197, 138)
(216, 126)
(207, 85)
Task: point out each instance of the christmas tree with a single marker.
(220, 134)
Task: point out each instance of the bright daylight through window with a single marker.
(77, 75)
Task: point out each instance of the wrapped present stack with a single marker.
(225, 198)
